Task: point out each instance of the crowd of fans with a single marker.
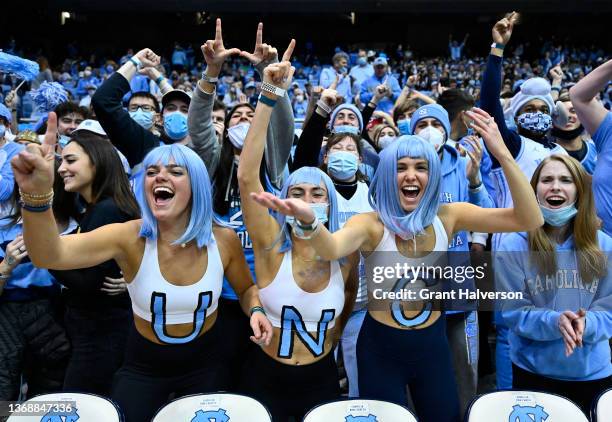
(277, 182)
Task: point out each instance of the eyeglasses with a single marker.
(144, 107)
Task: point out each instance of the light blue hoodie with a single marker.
(536, 344)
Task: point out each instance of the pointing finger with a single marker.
(289, 51)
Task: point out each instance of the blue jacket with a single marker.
(536, 344)
(369, 85)
(7, 179)
(455, 188)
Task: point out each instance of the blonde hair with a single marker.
(592, 261)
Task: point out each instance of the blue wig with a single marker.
(201, 219)
(312, 175)
(384, 191)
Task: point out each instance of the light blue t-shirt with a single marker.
(602, 186)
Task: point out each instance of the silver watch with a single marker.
(279, 92)
(208, 79)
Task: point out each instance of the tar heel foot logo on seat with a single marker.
(219, 415)
(55, 416)
(369, 418)
(527, 414)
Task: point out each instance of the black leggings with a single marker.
(98, 339)
(290, 390)
(389, 359)
(232, 320)
(151, 372)
(580, 392)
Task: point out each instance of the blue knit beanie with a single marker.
(434, 111)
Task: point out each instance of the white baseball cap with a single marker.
(92, 126)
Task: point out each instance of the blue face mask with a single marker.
(319, 209)
(2, 131)
(537, 122)
(342, 165)
(560, 216)
(175, 125)
(143, 118)
(362, 61)
(63, 141)
(404, 126)
(346, 129)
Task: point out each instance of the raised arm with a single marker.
(128, 136)
(308, 148)
(357, 231)
(34, 172)
(590, 111)
(199, 118)
(262, 227)
(526, 214)
(491, 85)
(279, 138)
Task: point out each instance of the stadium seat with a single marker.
(359, 411)
(218, 407)
(523, 406)
(68, 407)
(602, 407)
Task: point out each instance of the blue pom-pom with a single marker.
(49, 96)
(22, 68)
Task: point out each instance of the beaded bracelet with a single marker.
(36, 200)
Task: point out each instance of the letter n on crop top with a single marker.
(294, 310)
(156, 300)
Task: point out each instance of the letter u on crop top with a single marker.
(156, 300)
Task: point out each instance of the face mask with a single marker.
(362, 61)
(346, 129)
(566, 135)
(143, 118)
(109, 69)
(404, 126)
(63, 141)
(343, 70)
(87, 73)
(237, 134)
(342, 165)
(2, 131)
(433, 136)
(319, 209)
(299, 98)
(538, 123)
(385, 141)
(559, 217)
(175, 125)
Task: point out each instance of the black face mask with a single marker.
(566, 135)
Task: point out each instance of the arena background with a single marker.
(109, 27)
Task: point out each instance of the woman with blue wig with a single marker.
(403, 342)
(173, 261)
(304, 296)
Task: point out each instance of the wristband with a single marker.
(279, 92)
(209, 79)
(299, 229)
(159, 79)
(498, 46)
(555, 88)
(323, 106)
(267, 101)
(135, 61)
(476, 187)
(36, 208)
(257, 309)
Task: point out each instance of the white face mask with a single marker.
(434, 136)
(385, 141)
(237, 134)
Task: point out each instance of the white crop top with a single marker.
(283, 292)
(180, 303)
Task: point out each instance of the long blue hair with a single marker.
(312, 175)
(384, 190)
(199, 227)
